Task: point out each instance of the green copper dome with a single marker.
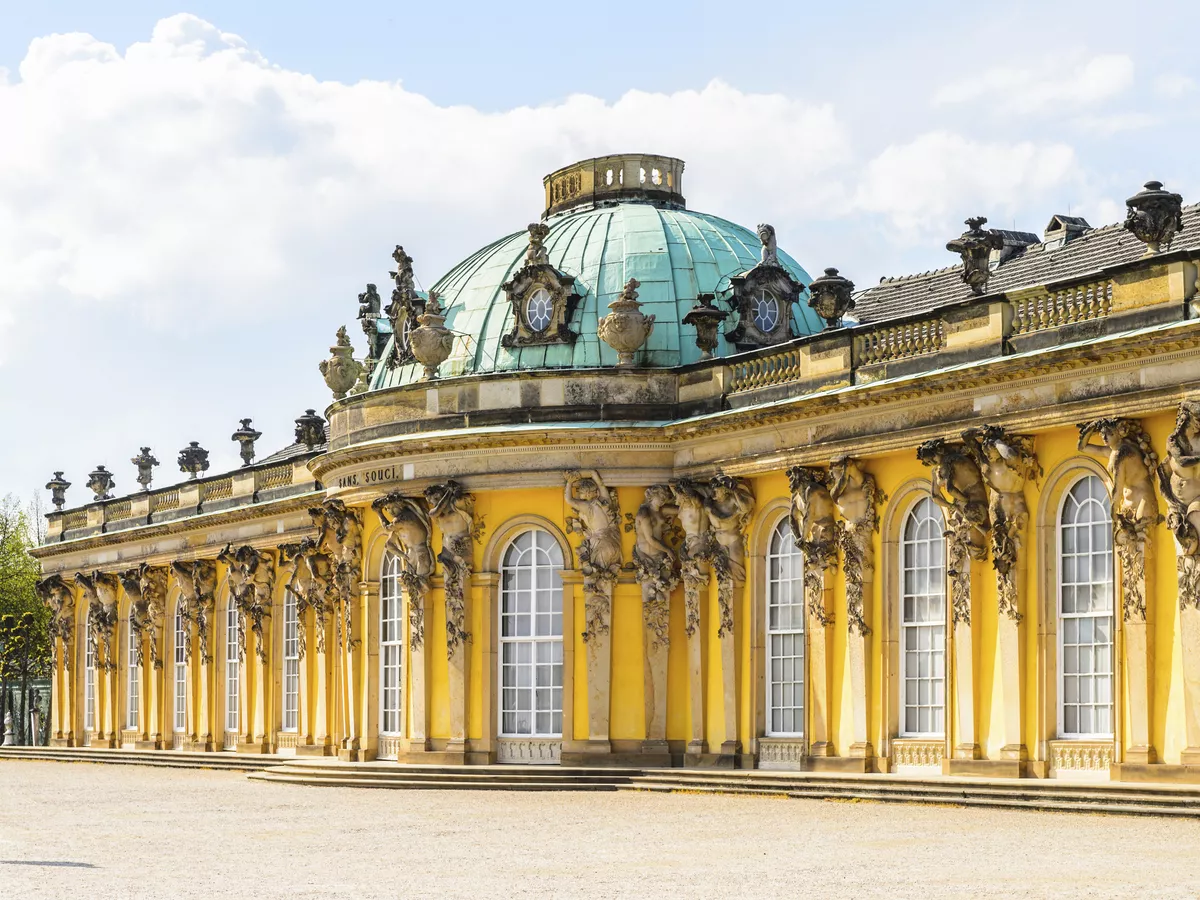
(674, 253)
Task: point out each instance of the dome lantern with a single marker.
(610, 179)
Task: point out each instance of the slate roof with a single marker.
(1040, 263)
(291, 451)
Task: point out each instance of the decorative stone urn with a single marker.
(145, 463)
(431, 341)
(831, 296)
(1154, 216)
(364, 376)
(246, 436)
(101, 483)
(341, 370)
(975, 247)
(310, 429)
(626, 328)
(57, 486)
(193, 459)
(707, 319)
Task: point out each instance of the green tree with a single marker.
(24, 620)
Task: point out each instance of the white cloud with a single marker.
(1174, 85)
(1051, 87)
(926, 184)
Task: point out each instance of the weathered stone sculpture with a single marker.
(431, 341)
(853, 491)
(730, 503)
(341, 370)
(197, 581)
(57, 486)
(626, 328)
(310, 581)
(769, 254)
(145, 463)
(975, 247)
(691, 500)
(369, 304)
(60, 600)
(246, 436)
(100, 483)
(402, 311)
(1006, 463)
(452, 508)
(251, 586)
(146, 587)
(410, 539)
(543, 299)
(193, 459)
(100, 593)
(1154, 216)
(310, 429)
(831, 296)
(706, 319)
(1125, 448)
(763, 299)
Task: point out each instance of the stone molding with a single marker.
(529, 750)
(781, 753)
(917, 752)
(1081, 756)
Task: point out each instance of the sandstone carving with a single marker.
(730, 503)
(706, 319)
(763, 298)
(1006, 462)
(251, 588)
(1179, 478)
(431, 341)
(310, 581)
(402, 311)
(246, 436)
(1154, 216)
(854, 492)
(339, 537)
(831, 296)
(957, 486)
(101, 483)
(310, 429)
(100, 593)
(410, 539)
(145, 463)
(452, 508)
(1125, 448)
(597, 518)
(543, 299)
(654, 559)
(57, 486)
(975, 247)
(197, 581)
(626, 328)
(341, 370)
(193, 459)
(60, 600)
(814, 528)
(146, 587)
(691, 501)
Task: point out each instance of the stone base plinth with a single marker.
(845, 764)
(1159, 773)
(983, 768)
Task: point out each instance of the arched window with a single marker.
(89, 679)
(1085, 598)
(391, 648)
(291, 662)
(180, 674)
(531, 650)
(132, 670)
(923, 622)
(785, 635)
(232, 673)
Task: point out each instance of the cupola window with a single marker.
(766, 311)
(539, 310)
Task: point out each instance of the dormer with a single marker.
(1063, 229)
(1014, 242)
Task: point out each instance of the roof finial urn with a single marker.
(246, 436)
(145, 463)
(101, 483)
(626, 328)
(975, 247)
(57, 486)
(707, 319)
(831, 296)
(341, 370)
(431, 341)
(310, 429)
(193, 459)
(1154, 216)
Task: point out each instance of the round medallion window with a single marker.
(405, 331)
(766, 311)
(538, 310)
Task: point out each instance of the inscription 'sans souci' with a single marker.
(371, 476)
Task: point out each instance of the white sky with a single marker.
(187, 216)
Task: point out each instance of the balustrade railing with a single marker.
(74, 519)
(1051, 310)
(166, 500)
(217, 490)
(118, 510)
(888, 343)
(274, 477)
(778, 368)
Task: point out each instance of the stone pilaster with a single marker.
(966, 744)
(695, 584)
(1135, 560)
(818, 598)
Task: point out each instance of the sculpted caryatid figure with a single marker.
(856, 496)
(653, 558)
(143, 618)
(452, 507)
(596, 517)
(730, 503)
(60, 600)
(957, 486)
(101, 615)
(691, 502)
(1179, 478)
(409, 538)
(251, 585)
(1125, 448)
(1006, 462)
(814, 528)
(340, 538)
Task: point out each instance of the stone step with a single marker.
(493, 784)
(484, 776)
(160, 758)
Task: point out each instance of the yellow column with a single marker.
(819, 602)
(1139, 659)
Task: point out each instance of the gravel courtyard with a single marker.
(84, 830)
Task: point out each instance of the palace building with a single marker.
(628, 487)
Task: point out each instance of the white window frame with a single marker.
(767, 298)
(929, 512)
(290, 722)
(542, 543)
(233, 681)
(783, 553)
(1063, 618)
(391, 648)
(133, 677)
(89, 679)
(180, 663)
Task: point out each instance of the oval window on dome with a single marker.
(766, 311)
(539, 310)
